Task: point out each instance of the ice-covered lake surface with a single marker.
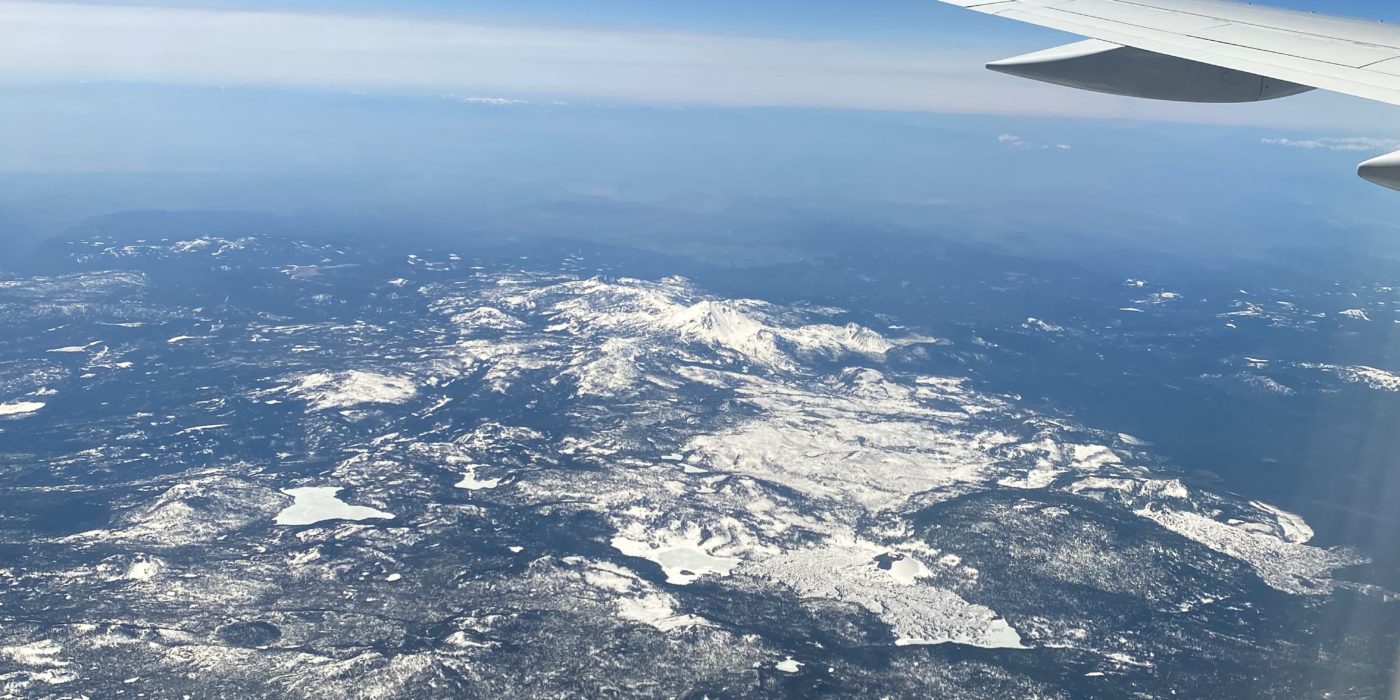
(567, 470)
(315, 504)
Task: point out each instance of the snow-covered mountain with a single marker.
(501, 480)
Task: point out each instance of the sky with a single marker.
(688, 114)
(911, 55)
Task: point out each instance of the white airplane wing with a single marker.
(1209, 51)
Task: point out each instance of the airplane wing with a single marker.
(1208, 51)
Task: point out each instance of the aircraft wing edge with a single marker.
(1374, 72)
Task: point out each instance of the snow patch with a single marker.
(916, 612)
(486, 317)
(143, 570)
(1372, 377)
(656, 609)
(787, 665)
(1033, 323)
(43, 653)
(20, 408)
(314, 504)
(1281, 562)
(684, 558)
(329, 390)
(472, 483)
(907, 570)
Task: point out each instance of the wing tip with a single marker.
(1382, 170)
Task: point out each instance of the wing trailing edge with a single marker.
(1209, 51)
(1103, 66)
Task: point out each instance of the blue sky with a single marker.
(874, 19)
(900, 55)
(711, 114)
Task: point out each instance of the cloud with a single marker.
(495, 101)
(1330, 143)
(63, 43)
(1019, 143)
(58, 42)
